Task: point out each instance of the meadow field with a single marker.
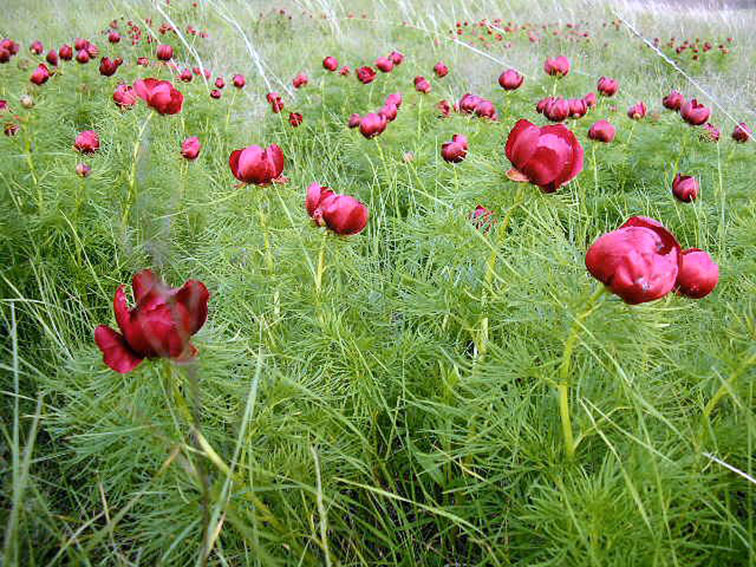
(415, 283)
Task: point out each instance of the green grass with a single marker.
(407, 413)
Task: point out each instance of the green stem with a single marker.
(230, 106)
(563, 386)
(321, 264)
(726, 387)
(595, 168)
(132, 176)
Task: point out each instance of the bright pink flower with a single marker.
(444, 107)
(511, 80)
(602, 131)
(685, 188)
(366, 75)
(441, 69)
(220, 83)
(637, 111)
(373, 125)
(396, 57)
(125, 96)
(468, 103)
(389, 111)
(186, 75)
(456, 150)
(395, 99)
(87, 142)
(639, 262)
(276, 103)
(695, 113)
(36, 47)
(164, 52)
(711, 133)
(239, 81)
(578, 107)
(114, 37)
(547, 156)
(330, 63)
(557, 67)
(557, 110)
(159, 95)
(384, 64)
(257, 165)
(161, 324)
(698, 275)
(342, 214)
(590, 100)
(344, 71)
(143, 62)
(607, 87)
(300, 81)
(190, 148)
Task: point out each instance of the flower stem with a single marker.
(726, 387)
(132, 175)
(321, 264)
(563, 386)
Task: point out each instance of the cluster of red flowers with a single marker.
(374, 123)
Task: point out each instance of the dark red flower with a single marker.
(639, 262)
(186, 75)
(510, 80)
(395, 99)
(422, 85)
(159, 95)
(295, 119)
(143, 62)
(698, 274)
(366, 75)
(456, 150)
(239, 81)
(444, 107)
(590, 100)
(389, 112)
(83, 56)
(685, 188)
(673, 101)
(344, 71)
(468, 103)
(87, 142)
(557, 110)
(695, 113)
(66, 52)
(161, 324)
(607, 86)
(354, 120)
(108, 67)
(486, 109)
(441, 69)
(578, 107)
(343, 214)
(52, 57)
(330, 63)
(373, 125)
(546, 156)
(257, 165)
(11, 129)
(557, 67)
(114, 37)
(742, 133)
(216, 94)
(190, 148)
(164, 52)
(602, 131)
(36, 47)
(276, 103)
(220, 83)
(711, 133)
(80, 43)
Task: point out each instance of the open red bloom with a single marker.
(40, 75)
(87, 142)
(300, 81)
(125, 96)
(295, 119)
(159, 95)
(373, 124)
(546, 156)
(557, 67)
(384, 64)
(366, 75)
(257, 165)
(161, 324)
(673, 101)
(330, 63)
(190, 148)
(109, 66)
(441, 69)
(742, 133)
(637, 111)
(695, 113)
(639, 261)
(343, 214)
(456, 150)
(602, 131)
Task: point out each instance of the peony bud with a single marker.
(602, 131)
(190, 148)
(698, 275)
